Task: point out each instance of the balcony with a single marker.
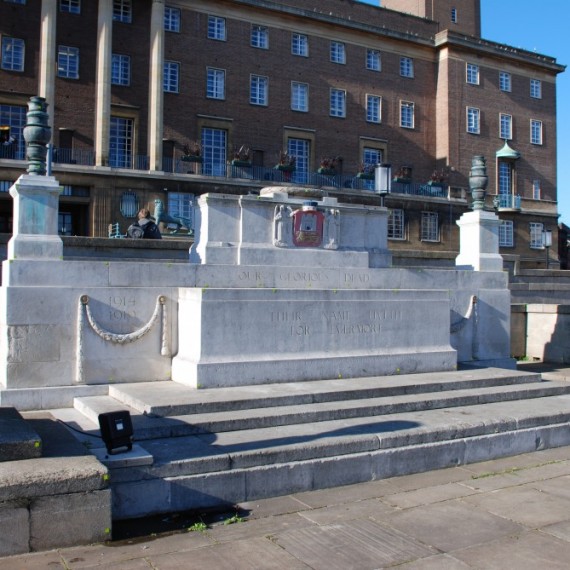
(507, 202)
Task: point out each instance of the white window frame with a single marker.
(171, 77)
(120, 69)
(300, 45)
(407, 67)
(535, 132)
(536, 88)
(506, 233)
(373, 60)
(505, 81)
(68, 62)
(215, 83)
(430, 227)
(338, 52)
(217, 28)
(473, 120)
(373, 108)
(472, 74)
(396, 225)
(259, 90)
(299, 96)
(172, 19)
(70, 6)
(505, 126)
(407, 114)
(13, 54)
(259, 37)
(536, 190)
(123, 11)
(337, 100)
(535, 235)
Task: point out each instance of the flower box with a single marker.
(402, 180)
(285, 167)
(327, 171)
(191, 158)
(365, 176)
(241, 163)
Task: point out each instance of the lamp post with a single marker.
(383, 180)
(546, 243)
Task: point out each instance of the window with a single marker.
(71, 6)
(338, 103)
(13, 50)
(216, 84)
(472, 72)
(300, 45)
(216, 28)
(373, 60)
(13, 121)
(299, 96)
(505, 178)
(473, 120)
(337, 53)
(396, 224)
(121, 143)
(16, 1)
(68, 62)
(429, 227)
(536, 235)
(506, 234)
(129, 204)
(214, 151)
(506, 126)
(171, 19)
(406, 114)
(536, 190)
(181, 205)
(259, 37)
(258, 90)
(454, 15)
(535, 131)
(123, 11)
(536, 88)
(65, 224)
(504, 81)
(120, 69)
(171, 77)
(373, 108)
(406, 67)
(301, 150)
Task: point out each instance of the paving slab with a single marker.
(435, 494)
(527, 551)
(452, 525)
(438, 562)
(368, 508)
(362, 544)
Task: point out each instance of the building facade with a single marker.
(164, 100)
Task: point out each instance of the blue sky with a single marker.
(540, 27)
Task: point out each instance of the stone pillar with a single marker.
(36, 196)
(103, 82)
(156, 90)
(46, 86)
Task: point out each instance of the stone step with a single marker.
(148, 427)
(172, 399)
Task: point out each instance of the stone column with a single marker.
(48, 53)
(103, 82)
(36, 196)
(156, 90)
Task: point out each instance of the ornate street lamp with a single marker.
(547, 243)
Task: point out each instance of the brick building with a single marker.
(135, 87)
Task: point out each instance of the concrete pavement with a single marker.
(511, 513)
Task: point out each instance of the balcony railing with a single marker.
(240, 171)
(507, 202)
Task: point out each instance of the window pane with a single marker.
(536, 191)
(506, 234)
(504, 81)
(13, 50)
(373, 60)
(180, 205)
(430, 226)
(258, 90)
(505, 178)
(536, 88)
(123, 11)
(300, 149)
(406, 67)
(171, 75)
(68, 62)
(216, 28)
(216, 84)
(300, 45)
(473, 125)
(171, 19)
(506, 126)
(407, 115)
(299, 96)
(396, 224)
(472, 74)
(536, 235)
(535, 132)
(337, 103)
(121, 69)
(12, 121)
(260, 37)
(337, 52)
(214, 151)
(373, 108)
(71, 6)
(121, 143)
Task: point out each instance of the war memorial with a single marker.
(287, 354)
